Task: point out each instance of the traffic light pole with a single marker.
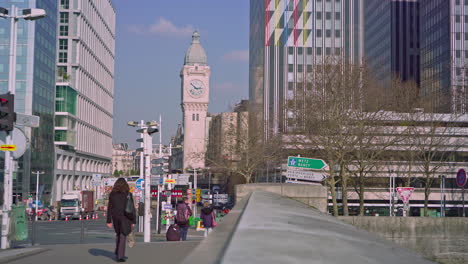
(8, 171)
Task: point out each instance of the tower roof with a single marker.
(195, 53)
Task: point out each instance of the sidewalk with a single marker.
(158, 250)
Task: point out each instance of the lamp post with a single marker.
(37, 189)
(146, 130)
(442, 195)
(28, 14)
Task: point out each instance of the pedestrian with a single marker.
(121, 215)
(183, 212)
(207, 217)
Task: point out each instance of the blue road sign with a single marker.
(139, 184)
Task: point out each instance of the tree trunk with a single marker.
(427, 191)
(344, 191)
(331, 184)
(361, 193)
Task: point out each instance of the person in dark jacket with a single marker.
(207, 217)
(182, 207)
(116, 216)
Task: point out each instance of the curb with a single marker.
(22, 255)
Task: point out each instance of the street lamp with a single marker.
(442, 195)
(28, 14)
(37, 189)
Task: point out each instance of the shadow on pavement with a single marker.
(101, 252)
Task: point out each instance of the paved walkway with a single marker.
(158, 250)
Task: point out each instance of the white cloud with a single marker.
(162, 27)
(237, 55)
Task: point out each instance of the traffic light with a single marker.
(152, 130)
(7, 112)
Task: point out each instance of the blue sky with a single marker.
(152, 37)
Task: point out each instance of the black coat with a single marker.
(116, 213)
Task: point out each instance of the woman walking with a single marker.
(207, 216)
(121, 215)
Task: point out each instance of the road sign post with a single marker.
(461, 182)
(405, 194)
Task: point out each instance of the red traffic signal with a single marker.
(7, 112)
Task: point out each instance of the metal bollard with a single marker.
(33, 231)
(82, 232)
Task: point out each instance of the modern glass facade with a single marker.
(289, 37)
(35, 91)
(444, 53)
(391, 37)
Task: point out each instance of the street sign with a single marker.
(173, 181)
(110, 181)
(405, 193)
(306, 175)
(140, 184)
(160, 160)
(7, 147)
(27, 120)
(461, 178)
(156, 179)
(97, 179)
(182, 179)
(306, 163)
(168, 207)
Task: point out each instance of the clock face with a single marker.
(196, 88)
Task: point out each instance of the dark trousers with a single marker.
(120, 243)
(183, 232)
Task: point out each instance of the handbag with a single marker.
(131, 239)
(129, 206)
(214, 220)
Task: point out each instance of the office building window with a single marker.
(290, 68)
(328, 33)
(457, 18)
(337, 16)
(290, 85)
(337, 33)
(63, 30)
(290, 50)
(193, 117)
(328, 15)
(63, 17)
(327, 51)
(319, 15)
(309, 51)
(337, 51)
(63, 57)
(63, 44)
(65, 4)
(458, 53)
(198, 117)
(299, 68)
(319, 33)
(457, 36)
(319, 51)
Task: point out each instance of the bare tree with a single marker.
(242, 148)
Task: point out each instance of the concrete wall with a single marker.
(442, 239)
(311, 195)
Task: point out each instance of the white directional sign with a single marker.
(27, 120)
(156, 179)
(182, 179)
(306, 175)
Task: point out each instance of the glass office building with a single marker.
(444, 53)
(289, 37)
(35, 91)
(391, 37)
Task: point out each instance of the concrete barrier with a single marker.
(269, 228)
(312, 195)
(442, 239)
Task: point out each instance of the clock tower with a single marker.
(195, 77)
